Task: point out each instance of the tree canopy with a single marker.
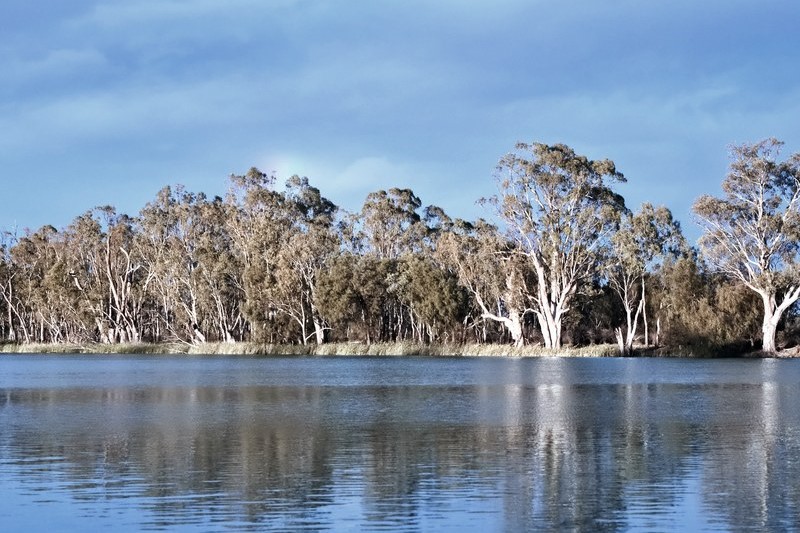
(559, 259)
(751, 233)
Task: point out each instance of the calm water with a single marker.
(209, 444)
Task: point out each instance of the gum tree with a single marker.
(751, 233)
(642, 239)
(485, 264)
(561, 211)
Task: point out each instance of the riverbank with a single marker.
(331, 349)
(379, 349)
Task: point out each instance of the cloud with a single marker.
(367, 95)
(347, 182)
(124, 14)
(135, 111)
(52, 65)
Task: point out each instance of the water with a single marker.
(383, 444)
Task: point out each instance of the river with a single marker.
(398, 444)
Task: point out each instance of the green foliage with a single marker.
(751, 234)
(561, 211)
(271, 270)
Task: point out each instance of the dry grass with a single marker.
(397, 349)
(94, 348)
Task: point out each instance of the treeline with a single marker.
(568, 262)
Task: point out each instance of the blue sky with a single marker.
(104, 102)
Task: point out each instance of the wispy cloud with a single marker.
(50, 66)
(369, 95)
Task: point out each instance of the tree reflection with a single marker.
(524, 457)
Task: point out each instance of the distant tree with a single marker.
(221, 272)
(107, 270)
(191, 270)
(339, 295)
(484, 262)
(700, 309)
(310, 245)
(435, 303)
(642, 238)
(391, 223)
(257, 226)
(7, 274)
(560, 211)
(282, 239)
(37, 261)
(751, 234)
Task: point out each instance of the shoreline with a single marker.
(399, 349)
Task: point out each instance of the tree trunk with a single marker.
(772, 315)
(199, 336)
(620, 340)
(514, 326)
(550, 327)
(319, 331)
(768, 332)
(644, 316)
(555, 333)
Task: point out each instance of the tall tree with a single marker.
(107, 271)
(282, 239)
(751, 234)
(642, 238)
(310, 244)
(485, 264)
(391, 224)
(561, 211)
(7, 274)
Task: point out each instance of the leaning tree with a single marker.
(561, 211)
(751, 234)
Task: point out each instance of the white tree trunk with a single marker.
(319, 331)
(199, 336)
(644, 316)
(544, 329)
(773, 314)
(620, 340)
(768, 332)
(514, 326)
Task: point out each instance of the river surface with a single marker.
(92, 443)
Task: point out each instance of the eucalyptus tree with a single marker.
(258, 228)
(391, 224)
(642, 239)
(54, 300)
(486, 264)
(700, 308)
(389, 227)
(33, 257)
(169, 230)
(41, 302)
(436, 303)
(340, 300)
(751, 234)
(9, 271)
(358, 295)
(560, 212)
(122, 267)
(106, 269)
(7, 274)
(310, 245)
(221, 272)
(84, 236)
(283, 239)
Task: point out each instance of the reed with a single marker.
(394, 349)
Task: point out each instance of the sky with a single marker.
(104, 102)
